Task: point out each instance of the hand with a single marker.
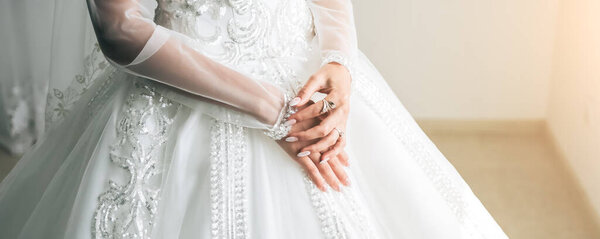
(331, 173)
(335, 80)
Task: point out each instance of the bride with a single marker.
(227, 119)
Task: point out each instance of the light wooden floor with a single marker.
(514, 170)
(518, 175)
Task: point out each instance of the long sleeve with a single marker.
(133, 42)
(335, 30)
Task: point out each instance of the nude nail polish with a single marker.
(303, 153)
(291, 139)
(289, 122)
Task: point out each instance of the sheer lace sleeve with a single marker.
(334, 26)
(132, 41)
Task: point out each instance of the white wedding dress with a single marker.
(167, 138)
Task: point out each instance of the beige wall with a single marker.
(489, 59)
(462, 59)
(574, 105)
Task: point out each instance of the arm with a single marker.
(334, 26)
(133, 42)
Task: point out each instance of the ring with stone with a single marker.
(327, 106)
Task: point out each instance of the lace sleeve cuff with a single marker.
(280, 129)
(338, 57)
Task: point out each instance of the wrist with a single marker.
(279, 129)
(336, 58)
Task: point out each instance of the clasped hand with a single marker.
(316, 140)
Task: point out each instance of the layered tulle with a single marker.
(402, 187)
(134, 158)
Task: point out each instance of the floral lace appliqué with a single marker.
(127, 210)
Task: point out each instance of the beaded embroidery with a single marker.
(228, 181)
(127, 211)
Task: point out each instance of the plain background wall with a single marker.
(574, 102)
(490, 59)
(462, 59)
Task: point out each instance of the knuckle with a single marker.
(322, 131)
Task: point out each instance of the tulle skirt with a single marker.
(134, 160)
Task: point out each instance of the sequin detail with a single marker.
(127, 211)
(228, 193)
(340, 214)
(248, 35)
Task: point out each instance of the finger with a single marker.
(300, 126)
(336, 149)
(339, 171)
(323, 144)
(338, 97)
(326, 172)
(309, 112)
(343, 158)
(313, 172)
(314, 83)
(323, 129)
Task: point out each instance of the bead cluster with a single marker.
(228, 191)
(127, 210)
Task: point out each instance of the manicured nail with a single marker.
(322, 188)
(291, 139)
(295, 101)
(346, 182)
(324, 160)
(289, 122)
(336, 187)
(303, 153)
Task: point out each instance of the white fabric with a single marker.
(128, 36)
(24, 67)
(135, 158)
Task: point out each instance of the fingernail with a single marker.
(289, 122)
(324, 160)
(295, 101)
(347, 182)
(322, 188)
(291, 139)
(303, 153)
(336, 187)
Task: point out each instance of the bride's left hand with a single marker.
(334, 80)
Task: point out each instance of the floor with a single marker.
(514, 170)
(520, 178)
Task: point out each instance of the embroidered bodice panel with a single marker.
(250, 34)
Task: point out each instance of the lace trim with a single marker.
(280, 130)
(60, 101)
(229, 217)
(127, 211)
(338, 57)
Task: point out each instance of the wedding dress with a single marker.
(162, 132)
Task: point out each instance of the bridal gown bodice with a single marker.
(255, 33)
(134, 151)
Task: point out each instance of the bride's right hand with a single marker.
(332, 173)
